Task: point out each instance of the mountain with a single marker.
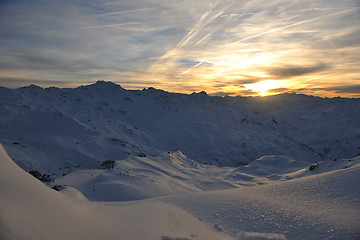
(198, 166)
(90, 124)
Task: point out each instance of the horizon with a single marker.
(172, 92)
(226, 47)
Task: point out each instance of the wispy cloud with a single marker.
(350, 90)
(188, 70)
(206, 19)
(123, 12)
(294, 71)
(290, 25)
(341, 89)
(217, 46)
(193, 38)
(115, 25)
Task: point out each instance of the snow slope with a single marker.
(322, 206)
(48, 129)
(173, 173)
(31, 210)
(146, 177)
(185, 166)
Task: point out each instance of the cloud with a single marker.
(205, 20)
(223, 94)
(247, 92)
(187, 62)
(220, 85)
(123, 12)
(250, 80)
(16, 82)
(116, 25)
(349, 90)
(352, 89)
(35, 61)
(281, 90)
(294, 71)
(214, 44)
(343, 40)
(189, 69)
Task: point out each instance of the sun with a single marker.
(263, 87)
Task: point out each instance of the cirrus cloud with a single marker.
(211, 45)
(290, 71)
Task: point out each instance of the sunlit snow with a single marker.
(121, 164)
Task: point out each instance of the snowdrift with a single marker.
(314, 207)
(31, 210)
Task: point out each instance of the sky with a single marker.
(223, 47)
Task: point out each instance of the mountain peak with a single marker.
(106, 86)
(202, 93)
(33, 86)
(106, 83)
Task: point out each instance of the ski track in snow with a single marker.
(199, 167)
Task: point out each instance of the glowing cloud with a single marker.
(263, 87)
(225, 47)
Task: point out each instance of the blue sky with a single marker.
(224, 47)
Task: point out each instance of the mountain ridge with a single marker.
(223, 131)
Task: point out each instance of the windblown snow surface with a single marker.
(180, 167)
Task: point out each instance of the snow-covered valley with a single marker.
(156, 165)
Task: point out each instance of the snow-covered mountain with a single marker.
(204, 167)
(90, 124)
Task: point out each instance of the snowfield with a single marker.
(165, 166)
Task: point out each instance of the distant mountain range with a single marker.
(89, 124)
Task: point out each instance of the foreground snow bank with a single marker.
(31, 210)
(320, 206)
(137, 178)
(260, 236)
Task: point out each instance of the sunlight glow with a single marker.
(263, 86)
(223, 47)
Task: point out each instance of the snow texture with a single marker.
(156, 165)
